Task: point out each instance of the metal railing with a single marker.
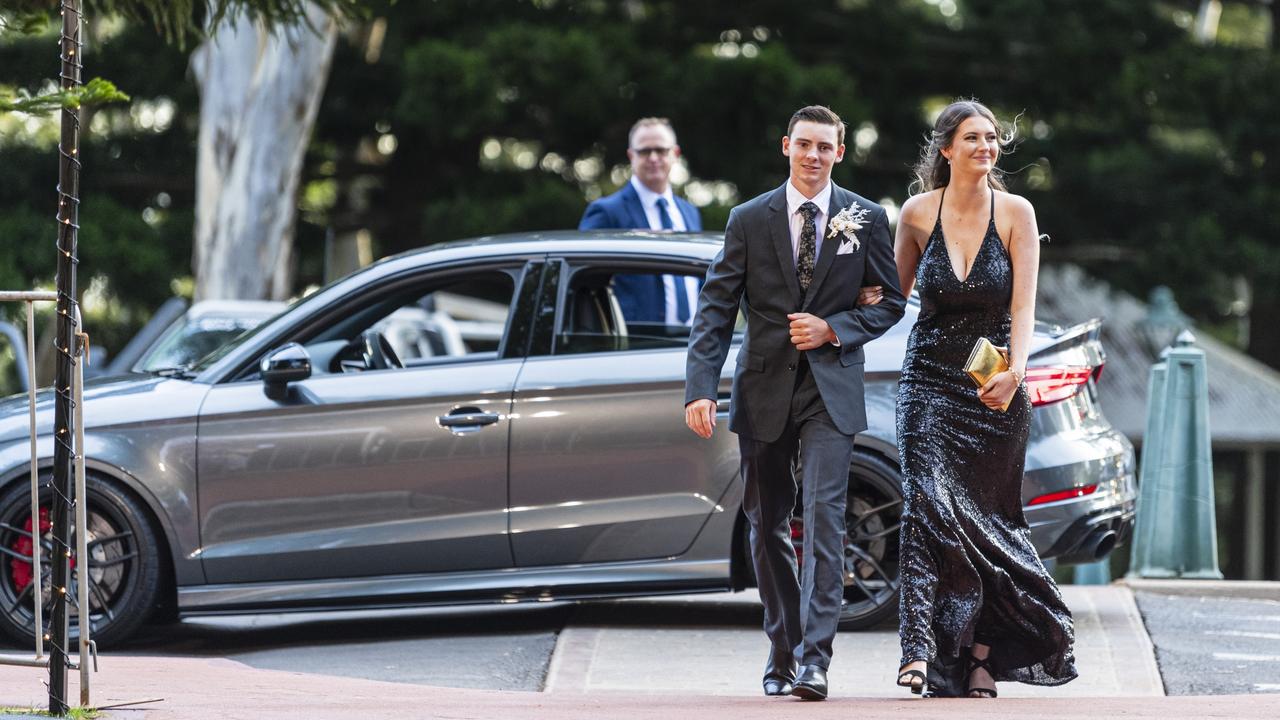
(81, 504)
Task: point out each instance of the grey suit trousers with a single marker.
(800, 613)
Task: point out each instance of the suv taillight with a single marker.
(1050, 384)
(1064, 495)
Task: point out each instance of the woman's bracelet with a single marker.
(1020, 376)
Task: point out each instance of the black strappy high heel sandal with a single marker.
(985, 664)
(917, 688)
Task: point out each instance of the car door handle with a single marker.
(468, 417)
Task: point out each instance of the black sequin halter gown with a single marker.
(969, 571)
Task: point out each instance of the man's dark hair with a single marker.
(821, 115)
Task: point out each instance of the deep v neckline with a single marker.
(972, 263)
(981, 244)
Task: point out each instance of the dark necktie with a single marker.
(808, 247)
(663, 217)
(682, 300)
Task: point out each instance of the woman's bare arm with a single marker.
(908, 243)
(1024, 250)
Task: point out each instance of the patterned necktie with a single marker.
(663, 217)
(808, 247)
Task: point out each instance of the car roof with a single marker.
(702, 245)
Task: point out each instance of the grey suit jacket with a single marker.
(755, 271)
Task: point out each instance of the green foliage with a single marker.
(95, 92)
(130, 245)
(180, 21)
(474, 117)
(75, 713)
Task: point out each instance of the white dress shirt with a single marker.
(796, 219)
(649, 201)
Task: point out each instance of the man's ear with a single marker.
(839, 153)
(786, 146)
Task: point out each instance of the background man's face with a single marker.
(653, 151)
(813, 150)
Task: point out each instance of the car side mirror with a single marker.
(282, 366)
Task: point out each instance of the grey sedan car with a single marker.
(486, 421)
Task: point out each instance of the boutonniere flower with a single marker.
(847, 222)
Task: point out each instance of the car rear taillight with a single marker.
(1050, 384)
(1064, 495)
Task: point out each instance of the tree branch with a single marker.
(96, 92)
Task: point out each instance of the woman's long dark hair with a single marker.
(932, 169)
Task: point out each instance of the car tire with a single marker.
(873, 518)
(125, 578)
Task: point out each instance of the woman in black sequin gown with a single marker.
(977, 605)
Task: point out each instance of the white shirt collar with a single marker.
(648, 197)
(795, 198)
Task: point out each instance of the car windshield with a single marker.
(200, 362)
(194, 340)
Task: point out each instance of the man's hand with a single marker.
(700, 416)
(809, 332)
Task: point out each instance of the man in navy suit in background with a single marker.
(647, 203)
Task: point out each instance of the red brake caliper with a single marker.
(797, 539)
(21, 569)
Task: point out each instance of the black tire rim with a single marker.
(873, 516)
(113, 565)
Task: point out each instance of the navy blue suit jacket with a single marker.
(623, 210)
(641, 297)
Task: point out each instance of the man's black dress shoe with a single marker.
(779, 673)
(811, 683)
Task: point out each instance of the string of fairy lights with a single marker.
(67, 343)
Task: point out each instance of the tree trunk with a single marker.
(259, 93)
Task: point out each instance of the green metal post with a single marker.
(1176, 534)
(1094, 573)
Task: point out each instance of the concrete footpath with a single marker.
(672, 658)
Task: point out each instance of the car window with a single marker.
(463, 317)
(618, 310)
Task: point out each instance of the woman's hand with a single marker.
(999, 390)
(871, 295)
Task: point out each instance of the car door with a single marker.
(360, 471)
(602, 466)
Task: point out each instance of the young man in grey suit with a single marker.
(794, 260)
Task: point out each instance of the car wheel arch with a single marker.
(128, 483)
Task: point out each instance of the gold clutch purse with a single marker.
(985, 361)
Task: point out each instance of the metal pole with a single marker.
(64, 344)
(37, 572)
(82, 524)
(1255, 542)
(28, 296)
